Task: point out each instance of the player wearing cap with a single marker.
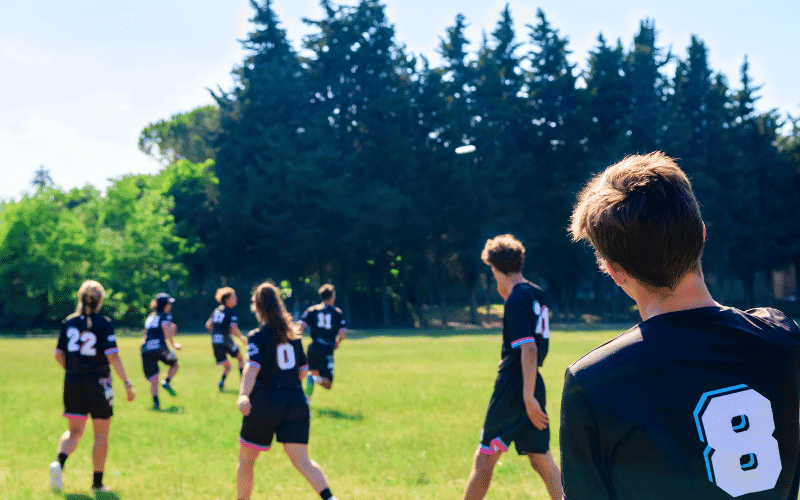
(328, 328)
(159, 336)
(86, 349)
(271, 396)
(699, 400)
(517, 408)
(223, 323)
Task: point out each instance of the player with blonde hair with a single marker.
(87, 349)
(222, 325)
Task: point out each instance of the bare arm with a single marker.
(238, 333)
(246, 387)
(340, 336)
(116, 363)
(210, 324)
(62, 359)
(169, 330)
(530, 365)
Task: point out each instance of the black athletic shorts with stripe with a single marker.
(89, 394)
(150, 361)
(276, 412)
(507, 420)
(320, 358)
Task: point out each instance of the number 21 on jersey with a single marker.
(741, 455)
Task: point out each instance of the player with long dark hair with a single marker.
(271, 396)
(86, 349)
(159, 335)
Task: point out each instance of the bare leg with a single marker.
(154, 386)
(69, 440)
(240, 359)
(326, 383)
(298, 454)
(545, 466)
(172, 371)
(100, 449)
(244, 472)
(481, 475)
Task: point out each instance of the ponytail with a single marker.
(90, 300)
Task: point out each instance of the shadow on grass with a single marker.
(100, 495)
(338, 415)
(171, 409)
(229, 391)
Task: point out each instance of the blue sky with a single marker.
(82, 78)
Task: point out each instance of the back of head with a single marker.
(223, 294)
(267, 305)
(160, 302)
(505, 253)
(90, 300)
(641, 214)
(326, 291)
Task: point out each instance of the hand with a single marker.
(177, 346)
(538, 417)
(244, 405)
(130, 394)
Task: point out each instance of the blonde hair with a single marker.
(223, 294)
(267, 305)
(90, 300)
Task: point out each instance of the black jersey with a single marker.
(697, 404)
(154, 337)
(223, 318)
(85, 349)
(324, 322)
(279, 364)
(525, 319)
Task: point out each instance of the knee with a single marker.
(101, 439)
(327, 383)
(75, 434)
(483, 464)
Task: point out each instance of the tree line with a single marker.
(336, 164)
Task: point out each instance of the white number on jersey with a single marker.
(738, 429)
(152, 322)
(543, 325)
(87, 341)
(324, 321)
(286, 359)
(219, 316)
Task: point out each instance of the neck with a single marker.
(515, 279)
(690, 293)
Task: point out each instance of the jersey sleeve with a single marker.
(583, 473)
(166, 319)
(517, 317)
(61, 345)
(110, 338)
(254, 348)
(342, 322)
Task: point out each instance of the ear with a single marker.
(616, 272)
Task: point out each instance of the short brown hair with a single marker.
(641, 213)
(267, 305)
(505, 253)
(326, 291)
(223, 294)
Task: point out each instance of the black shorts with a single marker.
(320, 358)
(507, 420)
(227, 348)
(150, 361)
(283, 413)
(88, 395)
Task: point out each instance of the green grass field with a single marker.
(401, 422)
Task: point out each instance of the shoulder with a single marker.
(70, 318)
(102, 320)
(774, 319)
(619, 350)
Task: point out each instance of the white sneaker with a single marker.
(55, 477)
(101, 489)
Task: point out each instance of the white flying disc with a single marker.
(462, 150)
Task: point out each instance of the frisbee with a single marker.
(462, 150)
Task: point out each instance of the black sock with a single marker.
(62, 459)
(224, 376)
(240, 371)
(98, 480)
(155, 401)
(167, 380)
(326, 494)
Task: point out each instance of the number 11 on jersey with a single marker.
(737, 425)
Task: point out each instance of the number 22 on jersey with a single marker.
(87, 341)
(741, 455)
